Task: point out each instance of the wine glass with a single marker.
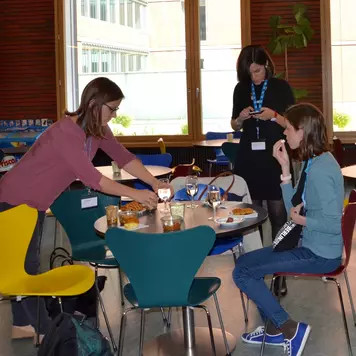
(164, 193)
(191, 186)
(214, 197)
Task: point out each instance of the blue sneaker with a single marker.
(256, 337)
(296, 344)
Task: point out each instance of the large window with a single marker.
(153, 50)
(343, 42)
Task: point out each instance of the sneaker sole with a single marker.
(260, 343)
(304, 341)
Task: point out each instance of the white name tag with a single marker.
(89, 202)
(258, 146)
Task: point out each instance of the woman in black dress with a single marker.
(258, 91)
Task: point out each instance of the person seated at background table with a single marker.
(321, 244)
(258, 91)
(61, 155)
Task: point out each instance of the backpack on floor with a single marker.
(71, 335)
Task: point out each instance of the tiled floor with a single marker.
(312, 301)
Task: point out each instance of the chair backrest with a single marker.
(352, 197)
(183, 170)
(162, 145)
(348, 226)
(230, 151)
(78, 223)
(17, 227)
(162, 159)
(161, 267)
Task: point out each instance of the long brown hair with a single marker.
(310, 119)
(97, 93)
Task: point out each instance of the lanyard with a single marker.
(257, 104)
(305, 184)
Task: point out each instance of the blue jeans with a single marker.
(251, 268)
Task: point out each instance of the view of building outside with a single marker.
(343, 40)
(141, 46)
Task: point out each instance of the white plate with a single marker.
(222, 221)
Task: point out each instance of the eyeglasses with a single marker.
(112, 109)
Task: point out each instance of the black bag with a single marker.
(69, 335)
(289, 235)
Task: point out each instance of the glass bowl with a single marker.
(172, 223)
(128, 219)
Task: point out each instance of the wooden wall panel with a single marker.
(305, 66)
(28, 63)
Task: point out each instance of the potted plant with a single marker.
(287, 36)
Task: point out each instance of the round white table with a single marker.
(349, 171)
(214, 143)
(156, 171)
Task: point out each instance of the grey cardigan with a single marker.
(324, 197)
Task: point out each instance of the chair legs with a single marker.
(121, 286)
(210, 326)
(100, 299)
(343, 313)
(122, 330)
(210, 168)
(350, 296)
(227, 347)
(244, 308)
(142, 332)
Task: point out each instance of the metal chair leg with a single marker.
(227, 347)
(343, 313)
(121, 288)
(350, 296)
(165, 320)
(105, 315)
(266, 322)
(210, 326)
(38, 323)
(142, 332)
(122, 330)
(169, 318)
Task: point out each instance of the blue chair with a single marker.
(221, 245)
(86, 245)
(220, 158)
(162, 159)
(142, 257)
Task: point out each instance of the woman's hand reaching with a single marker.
(245, 113)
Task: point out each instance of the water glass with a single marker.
(164, 193)
(115, 168)
(191, 187)
(111, 215)
(177, 209)
(214, 197)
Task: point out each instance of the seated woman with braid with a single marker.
(320, 247)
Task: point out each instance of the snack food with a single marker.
(133, 206)
(128, 219)
(230, 220)
(242, 211)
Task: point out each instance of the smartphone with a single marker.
(255, 112)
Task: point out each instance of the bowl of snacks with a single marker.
(229, 221)
(172, 223)
(128, 219)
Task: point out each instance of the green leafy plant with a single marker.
(123, 120)
(290, 36)
(184, 129)
(341, 120)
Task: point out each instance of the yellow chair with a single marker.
(17, 226)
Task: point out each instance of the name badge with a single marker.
(91, 202)
(258, 145)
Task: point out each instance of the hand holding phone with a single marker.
(255, 112)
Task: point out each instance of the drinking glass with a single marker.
(191, 186)
(111, 215)
(214, 197)
(164, 193)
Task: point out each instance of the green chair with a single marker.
(230, 151)
(161, 271)
(86, 245)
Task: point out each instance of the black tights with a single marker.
(277, 214)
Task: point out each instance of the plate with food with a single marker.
(229, 221)
(245, 212)
(135, 206)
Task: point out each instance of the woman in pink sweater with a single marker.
(61, 155)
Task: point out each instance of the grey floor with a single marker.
(312, 301)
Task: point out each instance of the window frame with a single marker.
(193, 75)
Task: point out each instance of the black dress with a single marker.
(259, 168)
